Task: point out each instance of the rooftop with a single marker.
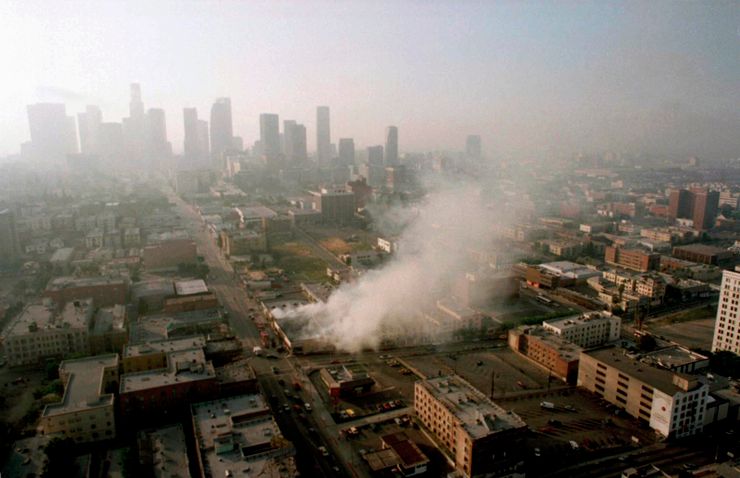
(169, 451)
(84, 387)
(62, 255)
(239, 433)
(39, 318)
(182, 366)
(406, 449)
(578, 320)
(659, 378)
(66, 282)
(672, 357)
(110, 319)
(191, 287)
(168, 345)
(702, 249)
(567, 350)
(478, 415)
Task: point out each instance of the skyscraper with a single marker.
(375, 155)
(288, 126)
(298, 143)
(191, 151)
(323, 135)
(9, 247)
(53, 133)
(88, 125)
(222, 133)
(727, 325)
(270, 136)
(699, 204)
(391, 146)
(157, 143)
(347, 151)
(203, 144)
(473, 148)
(134, 128)
(136, 106)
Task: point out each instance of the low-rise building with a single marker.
(86, 412)
(673, 404)
(346, 380)
(480, 437)
(237, 434)
(553, 353)
(40, 332)
(586, 330)
(108, 333)
(104, 291)
(704, 254)
(168, 254)
(633, 259)
(190, 295)
(164, 451)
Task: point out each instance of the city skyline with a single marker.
(528, 78)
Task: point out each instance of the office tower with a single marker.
(375, 155)
(270, 135)
(337, 206)
(288, 126)
(298, 143)
(376, 176)
(10, 249)
(323, 135)
(222, 133)
(111, 142)
(680, 204)
(156, 129)
(136, 106)
(727, 325)
(473, 148)
(203, 144)
(237, 143)
(88, 125)
(347, 151)
(699, 204)
(705, 208)
(53, 133)
(391, 146)
(191, 151)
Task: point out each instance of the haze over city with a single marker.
(530, 77)
(369, 239)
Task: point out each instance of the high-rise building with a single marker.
(111, 146)
(88, 125)
(391, 146)
(203, 143)
(191, 150)
(53, 133)
(288, 126)
(299, 150)
(347, 151)
(727, 325)
(136, 106)
(337, 206)
(323, 134)
(375, 155)
(698, 204)
(270, 136)
(156, 129)
(9, 247)
(222, 133)
(473, 148)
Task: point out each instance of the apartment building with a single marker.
(239, 433)
(587, 330)
(673, 404)
(41, 331)
(633, 259)
(86, 412)
(727, 325)
(479, 436)
(104, 291)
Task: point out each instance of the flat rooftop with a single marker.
(238, 433)
(110, 319)
(567, 350)
(164, 346)
(182, 366)
(60, 283)
(191, 287)
(478, 414)
(45, 318)
(578, 320)
(84, 386)
(703, 249)
(160, 327)
(169, 451)
(617, 358)
(672, 357)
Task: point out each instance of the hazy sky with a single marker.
(528, 76)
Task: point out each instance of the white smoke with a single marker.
(452, 219)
